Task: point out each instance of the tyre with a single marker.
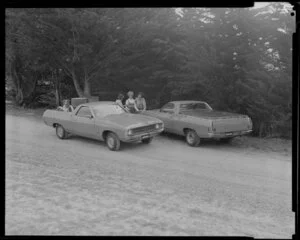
(226, 140)
(61, 132)
(192, 138)
(112, 141)
(147, 140)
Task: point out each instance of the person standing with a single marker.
(119, 100)
(66, 106)
(130, 103)
(140, 102)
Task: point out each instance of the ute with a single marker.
(196, 120)
(105, 121)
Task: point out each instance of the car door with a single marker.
(84, 123)
(178, 122)
(166, 114)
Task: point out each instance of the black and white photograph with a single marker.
(149, 121)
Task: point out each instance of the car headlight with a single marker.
(157, 126)
(129, 132)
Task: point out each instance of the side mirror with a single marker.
(91, 117)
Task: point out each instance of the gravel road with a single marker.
(78, 187)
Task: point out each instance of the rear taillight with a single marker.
(212, 126)
(250, 123)
(211, 129)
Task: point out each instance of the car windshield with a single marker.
(104, 110)
(194, 106)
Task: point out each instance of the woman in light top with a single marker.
(130, 103)
(120, 99)
(66, 106)
(140, 102)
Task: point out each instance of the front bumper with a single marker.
(228, 134)
(140, 136)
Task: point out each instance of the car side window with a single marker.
(168, 108)
(84, 112)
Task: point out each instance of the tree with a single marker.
(23, 56)
(75, 40)
(236, 59)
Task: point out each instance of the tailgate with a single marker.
(53, 116)
(232, 124)
(48, 117)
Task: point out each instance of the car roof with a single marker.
(90, 104)
(186, 101)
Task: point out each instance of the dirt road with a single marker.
(78, 187)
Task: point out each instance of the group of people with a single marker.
(132, 105)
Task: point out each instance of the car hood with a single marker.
(131, 120)
(212, 114)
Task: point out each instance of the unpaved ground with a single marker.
(78, 187)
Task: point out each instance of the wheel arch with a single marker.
(105, 132)
(186, 129)
(116, 140)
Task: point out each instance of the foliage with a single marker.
(237, 60)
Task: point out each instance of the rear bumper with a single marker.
(229, 134)
(139, 137)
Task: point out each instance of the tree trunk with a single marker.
(57, 98)
(57, 90)
(29, 98)
(87, 88)
(19, 99)
(78, 89)
(261, 129)
(16, 78)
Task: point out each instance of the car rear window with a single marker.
(192, 106)
(84, 112)
(168, 108)
(105, 110)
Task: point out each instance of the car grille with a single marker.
(143, 129)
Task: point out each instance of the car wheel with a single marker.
(112, 142)
(192, 138)
(226, 140)
(61, 132)
(147, 140)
